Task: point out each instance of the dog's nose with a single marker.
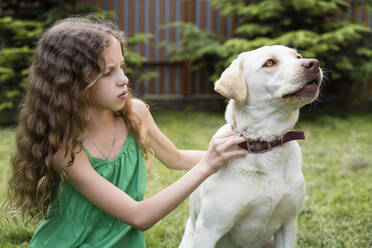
(310, 64)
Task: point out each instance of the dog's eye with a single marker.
(269, 63)
(299, 56)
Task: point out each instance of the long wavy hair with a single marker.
(53, 114)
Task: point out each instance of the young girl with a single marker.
(80, 141)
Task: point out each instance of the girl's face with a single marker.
(110, 91)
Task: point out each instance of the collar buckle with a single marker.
(268, 146)
(258, 146)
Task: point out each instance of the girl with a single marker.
(80, 141)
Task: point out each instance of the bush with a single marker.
(15, 58)
(344, 48)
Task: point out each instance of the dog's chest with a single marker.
(271, 190)
(270, 200)
(269, 195)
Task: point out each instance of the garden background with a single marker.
(177, 48)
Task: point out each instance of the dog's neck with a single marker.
(266, 123)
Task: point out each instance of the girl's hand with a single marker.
(221, 149)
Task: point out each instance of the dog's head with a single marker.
(271, 73)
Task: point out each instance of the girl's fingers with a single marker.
(223, 135)
(231, 142)
(235, 153)
(225, 138)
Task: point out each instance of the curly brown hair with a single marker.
(53, 114)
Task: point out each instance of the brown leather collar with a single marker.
(258, 146)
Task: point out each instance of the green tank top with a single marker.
(73, 221)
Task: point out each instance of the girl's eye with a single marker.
(107, 74)
(269, 63)
(123, 67)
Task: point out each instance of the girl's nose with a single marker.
(122, 79)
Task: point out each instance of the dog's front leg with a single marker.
(286, 236)
(209, 229)
(207, 236)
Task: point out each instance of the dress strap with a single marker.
(86, 151)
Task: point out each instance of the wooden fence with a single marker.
(177, 80)
(174, 80)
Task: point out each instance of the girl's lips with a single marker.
(123, 95)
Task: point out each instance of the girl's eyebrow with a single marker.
(113, 64)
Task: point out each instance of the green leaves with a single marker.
(5, 74)
(196, 45)
(17, 38)
(311, 26)
(17, 57)
(13, 62)
(254, 28)
(319, 6)
(262, 11)
(19, 32)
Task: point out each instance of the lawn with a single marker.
(337, 164)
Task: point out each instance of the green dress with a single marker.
(76, 222)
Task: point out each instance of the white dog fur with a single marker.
(257, 197)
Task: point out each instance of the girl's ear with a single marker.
(231, 84)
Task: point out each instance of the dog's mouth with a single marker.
(309, 89)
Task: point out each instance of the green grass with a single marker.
(337, 164)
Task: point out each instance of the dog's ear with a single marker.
(231, 84)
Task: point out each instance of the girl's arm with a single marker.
(163, 148)
(142, 215)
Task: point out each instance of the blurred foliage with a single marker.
(314, 27)
(22, 23)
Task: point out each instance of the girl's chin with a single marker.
(121, 105)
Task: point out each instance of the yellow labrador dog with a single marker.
(257, 197)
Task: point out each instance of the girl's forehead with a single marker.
(113, 53)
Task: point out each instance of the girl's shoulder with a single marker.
(140, 108)
(64, 162)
